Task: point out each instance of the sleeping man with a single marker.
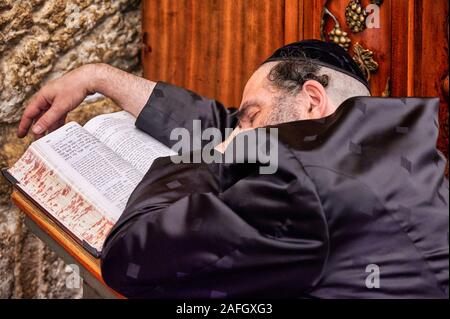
(356, 208)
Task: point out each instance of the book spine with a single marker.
(7, 175)
(94, 252)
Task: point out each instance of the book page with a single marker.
(118, 132)
(102, 176)
(60, 199)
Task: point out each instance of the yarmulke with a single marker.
(326, 54)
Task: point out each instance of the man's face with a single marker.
(264, 104)
(257, 99)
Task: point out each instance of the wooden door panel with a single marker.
(210, 46)
(377, 40)
(431, 58)
(213, 46)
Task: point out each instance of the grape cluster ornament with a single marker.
(355, 16)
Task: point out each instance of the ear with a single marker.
(318, 99)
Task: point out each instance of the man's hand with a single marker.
(48, 108)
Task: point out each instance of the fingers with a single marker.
(46, 115)
(48, 108)
(37, 105)
(35, 120)
(50, 119)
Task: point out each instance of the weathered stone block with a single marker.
(41, 40)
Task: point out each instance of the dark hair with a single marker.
(290, 74)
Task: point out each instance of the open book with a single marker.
(82, 177)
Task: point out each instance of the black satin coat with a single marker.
(362, 187)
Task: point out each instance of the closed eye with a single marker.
(247, 114)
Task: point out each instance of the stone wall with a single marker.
(40, 40)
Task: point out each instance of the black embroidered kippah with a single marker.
(323, 53)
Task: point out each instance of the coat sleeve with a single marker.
(170, 107)
(180, 237)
